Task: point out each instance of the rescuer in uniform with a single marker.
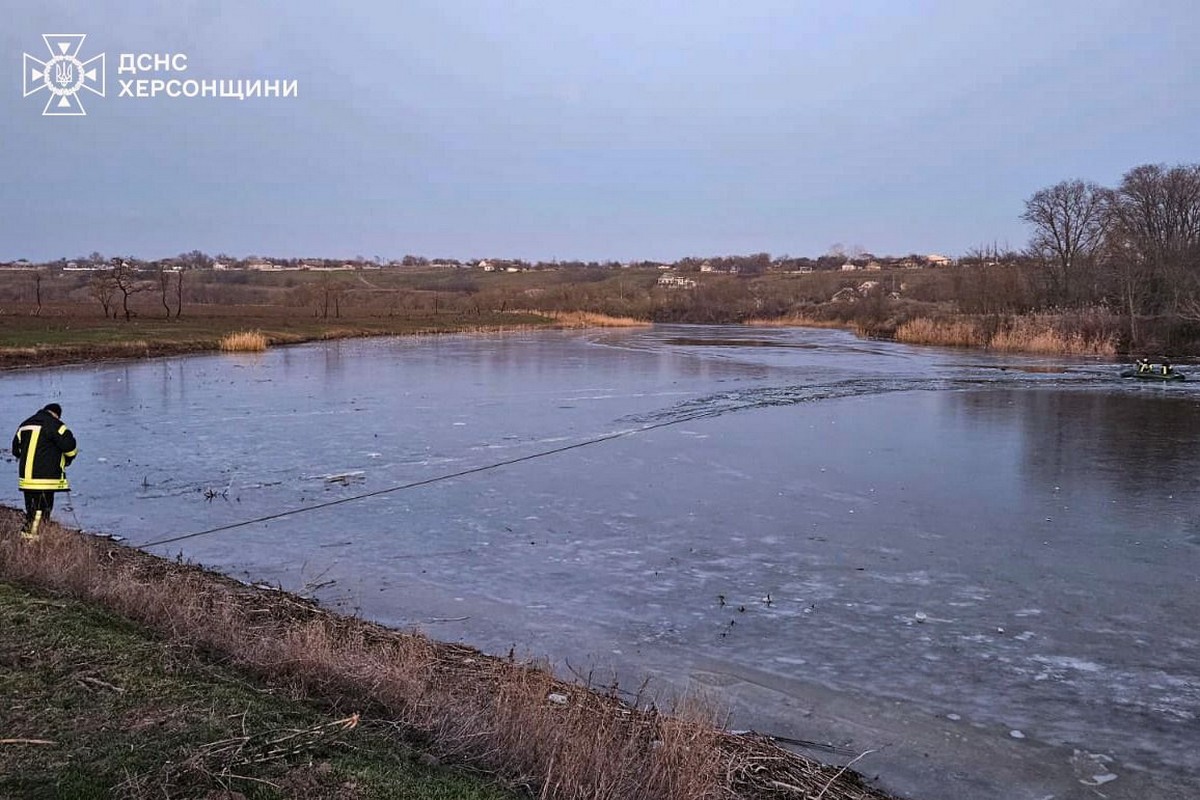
(43, 447)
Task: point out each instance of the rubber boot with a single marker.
(31, 532)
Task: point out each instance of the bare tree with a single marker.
(163, 281)
(126, 280)
(197, 259)
(1069, 223)
(1158, 235)
(326, 295)
(103, 288)
(37, 290)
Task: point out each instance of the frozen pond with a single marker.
(986, 568)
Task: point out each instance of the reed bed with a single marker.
(944, 333)
(514, 718)
(1049, 334)
(589, 319)
(1086, 332)
(244, 342)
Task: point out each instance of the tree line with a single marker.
(1132, 249)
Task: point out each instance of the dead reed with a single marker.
(1052, 334)
(244, 342)
(561, 739)
(944, 333)
(1049, 334)
(589, 319)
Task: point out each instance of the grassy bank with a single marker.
(69, 334)
(93, 706)
(510, 718)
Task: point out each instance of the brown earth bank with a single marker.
(68, 335)
(510, 717)
(997, 307)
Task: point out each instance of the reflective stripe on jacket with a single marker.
(43, 447)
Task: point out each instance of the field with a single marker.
(60, 317)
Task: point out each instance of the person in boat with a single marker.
(1166, 368)
(1143, 366)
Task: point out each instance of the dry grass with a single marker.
(1044, 333)
(1049, 334)
(244, 342)
(945, 333)
(588, 319)
(563, 740)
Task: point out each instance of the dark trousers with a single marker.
(38, 500)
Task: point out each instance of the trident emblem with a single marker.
(64, 74)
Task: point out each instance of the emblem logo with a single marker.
(64, 74)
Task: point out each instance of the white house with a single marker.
(676, 282)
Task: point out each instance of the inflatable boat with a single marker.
(1155, 373)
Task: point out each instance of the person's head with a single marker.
(53, 408)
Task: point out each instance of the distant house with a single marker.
(849, 266)
(663, 266)
(935, 260)
(676, 282)
(707, 267)
(262, 266)
(487, 266)
(874, 266)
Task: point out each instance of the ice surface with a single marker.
(857, 484)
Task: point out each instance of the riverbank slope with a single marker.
(510, 718)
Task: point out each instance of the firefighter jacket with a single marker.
(43, 446)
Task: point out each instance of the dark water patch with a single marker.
(1034, 369)
(704, 342)
(774, 396)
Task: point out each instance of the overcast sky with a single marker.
(624, 129)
